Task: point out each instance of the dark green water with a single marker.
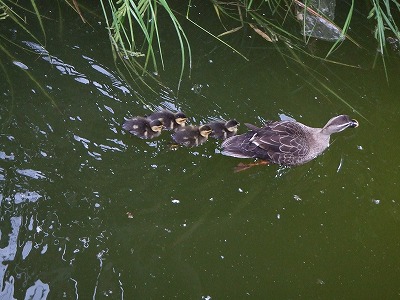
(88, 211)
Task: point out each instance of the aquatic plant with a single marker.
(135, 27)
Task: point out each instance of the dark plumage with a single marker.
(285, 142)
(191, 136)
(143, 128)
(222, 129)
(170, 120)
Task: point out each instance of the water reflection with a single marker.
(39, 290)
(88, 211)
(70, 70)
(10, 232)
(45, 154)
(31, 173)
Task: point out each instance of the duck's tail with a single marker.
(237, 146)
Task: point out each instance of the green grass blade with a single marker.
(40, 87)
(39, 19)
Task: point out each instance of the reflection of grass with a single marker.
(7, 121)
(9, 13)
(6, 12)
(40, 87)
(314, 81)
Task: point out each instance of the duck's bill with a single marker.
(354, 123)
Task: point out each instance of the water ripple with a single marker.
(4, 156)
(27, 196)
(38, 291)
(70, 70)
(21, 65)
(31, 173)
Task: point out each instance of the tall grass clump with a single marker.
(136, 27)
(133, 28)
(382, 13)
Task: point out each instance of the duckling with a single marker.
(191, 136)
(170, 120)
(223, 130)
(143, 128)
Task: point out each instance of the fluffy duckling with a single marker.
(223, 130)
(170, 120)
(191, 136)
(143, 128)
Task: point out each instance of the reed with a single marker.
(381, 12)
(135, 27)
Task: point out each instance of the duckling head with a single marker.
(232, 125)
(205, 130)
(180, 118)
(156, 125)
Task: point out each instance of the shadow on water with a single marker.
(90, 211)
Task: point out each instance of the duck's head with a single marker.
(180, 118)
(205, 130)
(156, 125)
(232, 125)
(339, 123)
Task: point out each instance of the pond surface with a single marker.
(88, 211)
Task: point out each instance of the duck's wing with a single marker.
(252, 127)
(240, 146)
(284, 141)
(255, 128)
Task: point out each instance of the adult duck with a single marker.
(286, 142)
